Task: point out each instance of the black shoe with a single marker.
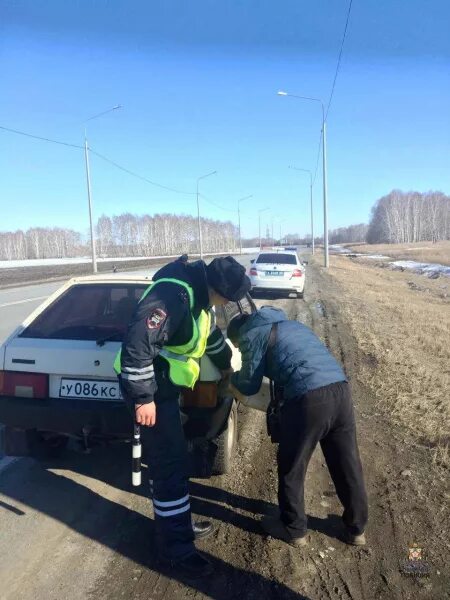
(202, 529)
(193, 566)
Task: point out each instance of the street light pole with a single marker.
(88, 182)
(281, 222)
(239, 220)
(200, 238)
(324, 172)
(325, 199)
(261, 210)
(311, 202)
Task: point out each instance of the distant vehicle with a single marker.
(278, 271)
(57, 379)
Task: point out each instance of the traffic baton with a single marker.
(137, 453)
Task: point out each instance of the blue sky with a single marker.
(198, 85)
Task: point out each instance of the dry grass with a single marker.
(420, 251)
(404, 335)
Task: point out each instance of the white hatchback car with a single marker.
(57, 379)
(276, 271)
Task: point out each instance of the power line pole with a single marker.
(311, 202)
(88, 181)
(200, 238)
(239, 220)
(324, 174)
(91, 225)
(325, 200)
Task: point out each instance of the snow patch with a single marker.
(429, 269)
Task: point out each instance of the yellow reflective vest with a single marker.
(184, 368)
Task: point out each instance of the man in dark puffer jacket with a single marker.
(314, 405)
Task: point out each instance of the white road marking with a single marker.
(23, 301)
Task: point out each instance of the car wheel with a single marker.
(226, 445)
(299, 294)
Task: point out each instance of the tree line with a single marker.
(410, 217)
(122, 235)
(162, 234)
(41, 242)
(353, 233)
(397, 217)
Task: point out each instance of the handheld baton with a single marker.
(137, 453)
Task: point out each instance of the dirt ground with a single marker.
(96, 538)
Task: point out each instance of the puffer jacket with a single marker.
(299, 362)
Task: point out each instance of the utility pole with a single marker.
(239, 220)
(261, 210)
(200, 238)
(311, 202)
(325, 201)
(324, 174)
(91, 225)
(88, 181)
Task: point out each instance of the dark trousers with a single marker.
(324, 415)
(165, 452)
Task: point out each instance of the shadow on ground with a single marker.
(124, 530)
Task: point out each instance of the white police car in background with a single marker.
(278, 271)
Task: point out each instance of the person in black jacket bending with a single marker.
(169, 331)
(312, 403)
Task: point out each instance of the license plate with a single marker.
(90, 389)
(277, 273)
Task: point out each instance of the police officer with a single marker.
(169, 331)
(311, 403)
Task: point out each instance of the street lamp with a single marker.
(200, 239)
(311, 201)
(261, 210)
(239, 219)
(280, 223)
(88, 182)
(324, 171)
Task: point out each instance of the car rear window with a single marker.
(88, 312)
(277, 258)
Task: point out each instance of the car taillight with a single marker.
(253, 271)
(25, 385)
(297, 273)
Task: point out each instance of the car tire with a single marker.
(299, 294)
(226, 444)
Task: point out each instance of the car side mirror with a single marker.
(304, 262)
(253, 260)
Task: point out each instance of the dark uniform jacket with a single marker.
(298, 362)
(164, 318)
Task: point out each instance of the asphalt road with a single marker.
(17, 303)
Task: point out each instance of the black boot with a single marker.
(202, 529)
(193, 566)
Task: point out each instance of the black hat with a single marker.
(227, 277)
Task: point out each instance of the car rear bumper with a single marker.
(283, 285)
(103, 418)
(66, 416)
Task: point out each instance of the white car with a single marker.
(277, 270)
(57, 379)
